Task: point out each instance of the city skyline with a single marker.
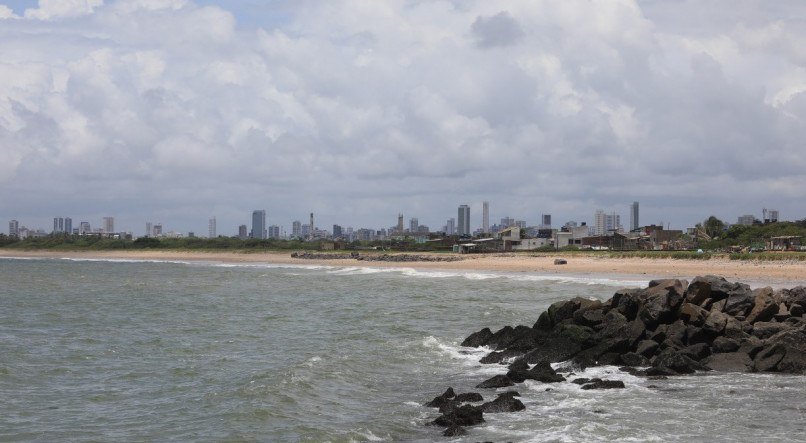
(176, 111)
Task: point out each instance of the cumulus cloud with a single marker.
(174, 110)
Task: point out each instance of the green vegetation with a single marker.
(754, 236)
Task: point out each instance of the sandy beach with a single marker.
(788, 272)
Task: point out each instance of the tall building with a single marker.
(211, 228)
(464, 220)
(84, 228)
(414, 224)
(242, 232)
(68, 225)
(109, 225)
(149, 229)
(274, 231)
(259, 223)
(296, 229)
(546, 221)
(450, 228)
(485, 216)
(747, 220)
(605, 224)
(13, 228)
(338, 232)
(157, 230)
(507, 222)
(634, 224)
(312, 226)
(399, 223)
(58, 225)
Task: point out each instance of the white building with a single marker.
(605, 224)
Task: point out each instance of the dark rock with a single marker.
(544, 373)
(634, 359)
(560, 261)
(764, 307)
(455, 431)
(796, 310)
(693, 314)
(499, 356)
(633, 371)
(718, 305)
(503, 403)
(655, 372)
(764, 330)
(715, 323)
(735, 329)
(498, 381)
(659, 334)
(582, 381)
(441, 399)
(696, 335)
(782, 314)
(751, 346)
(677, 362)
(676, 334)
(697, 351)
(469, 397)
(564, 310)
(740, 300)
(647, 348)
(784, 352)
(505, 336)
(465, 415)
(581, 335)
(589, 317)
(518, 365)
(528, 341)
(709, 286)
(724, 344)
(627, 302)
(559, 346)
(544, 322)
(604, 384)
(730, 362)
(661, 302)
(592, 356)
(478, 339)
(796, 295)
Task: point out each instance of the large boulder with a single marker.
(647, 348)
(498, 381)
(676, 361)
(440, 400)
(465, 415)
(604, 384)
(505, 402)
(543, 372)
(627, 302)
(730, 362)
(693, 314)
(715, 323)
(739, 301)
(478, 339)
(661, 302)
(764, 306)
(590, 317)
(764, 329)
(794, 296)
(709, 286)
(723, 345)
(784, 352)
(506, 336)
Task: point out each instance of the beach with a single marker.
(790, 272)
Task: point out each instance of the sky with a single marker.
(175, 111)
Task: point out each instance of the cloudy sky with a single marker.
(174, 111)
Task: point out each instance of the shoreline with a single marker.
(649, 268)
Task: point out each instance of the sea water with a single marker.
(132, 350)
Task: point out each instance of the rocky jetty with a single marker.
(375, 257)
(669, 328)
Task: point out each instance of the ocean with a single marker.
(126, 350)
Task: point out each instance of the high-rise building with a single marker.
(338, 232)
(606, 223)
(211, 228)
(58, 225)
(84, 228)
(312, 226)
(296, 229)
(157, 230)
(13, 228)
(485, 216)
(747, 220)
(450, 228)
(274, 231)
(149, 229)
(464, 220)
(546, 221)
(109, 225)
(242, 232)
(399, 223)
(507, 222)
(634, 223)
(259, 223)
(68, 225)
(414, 224)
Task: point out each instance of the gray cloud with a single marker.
(168, 110)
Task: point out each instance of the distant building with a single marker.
(13, 228)
(242, 232)
(414, 224)
(58, 225)
(109, 225)
(149, 229)
(507, 222)
(68, 225)
(312, 227)
(545, 221)
(84, 228)
(485, 217)
(605, 224)
(274, 231)
(634, 224)
(296, 229)
(157, 230)
(770, 215)
(464, 220)
(338, 232)
(450, 227)
(258, 224)
(399, 223)
(746, 220)
(211, 228)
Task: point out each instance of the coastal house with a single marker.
(784, 243)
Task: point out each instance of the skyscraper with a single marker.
(13, 228)
(485, 217)
(149, 229)
(109, 225)
(546, 221)
(634, 216)
(606, 223)
(399, 223)
(414, 224)
(211, 228)
(313, 229)
(68, 225)
(274, 231)
(84, 228)
(242, 232)
(450, 228)
(296, 229)
(464, 220)
(58, 225)
(337, 231)
(259, 223)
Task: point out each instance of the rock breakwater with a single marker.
(672, 327)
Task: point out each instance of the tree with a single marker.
(714, 226)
